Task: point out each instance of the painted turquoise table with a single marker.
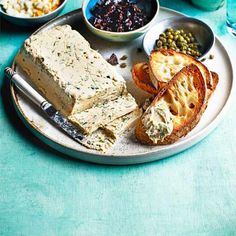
(43, 192)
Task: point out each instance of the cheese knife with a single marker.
(45, 106)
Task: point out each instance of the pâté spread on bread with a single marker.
(158, 122)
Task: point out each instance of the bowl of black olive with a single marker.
(180, 33)
(119, 20)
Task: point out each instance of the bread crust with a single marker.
(194, 115)
(215, 81)
(140, 75)
(156, 75)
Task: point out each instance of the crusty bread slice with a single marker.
(140, 75)
(184, 98)
(165, 64)
(215, 81)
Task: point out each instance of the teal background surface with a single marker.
(43, 192)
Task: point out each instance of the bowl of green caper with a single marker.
(182, 34)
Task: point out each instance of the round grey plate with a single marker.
(127, 150)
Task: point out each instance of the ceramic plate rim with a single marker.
(201, 134)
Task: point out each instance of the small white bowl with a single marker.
(119, 36)
(201, 31)
(32, 21)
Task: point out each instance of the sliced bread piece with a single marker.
(215, 81)
(165, 64)
(140, 75)
(176, 110)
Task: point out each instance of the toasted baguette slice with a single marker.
(140, 75)
(215, 81)
(180, 105)
(165, 64)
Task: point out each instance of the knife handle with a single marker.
(31, 93)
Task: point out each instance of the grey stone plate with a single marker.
(127, 150)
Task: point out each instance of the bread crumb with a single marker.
(211, 56)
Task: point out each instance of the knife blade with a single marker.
(46, 107)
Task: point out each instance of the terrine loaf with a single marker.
(71, 75)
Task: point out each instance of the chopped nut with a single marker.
(123, 65)
(113, 60)
(124, 57)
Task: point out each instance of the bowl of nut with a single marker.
(121, 20)
(30, 13)
(182, 34)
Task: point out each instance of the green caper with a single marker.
(176, 37)
(159, 44)
(169, 29)
(178, 40)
